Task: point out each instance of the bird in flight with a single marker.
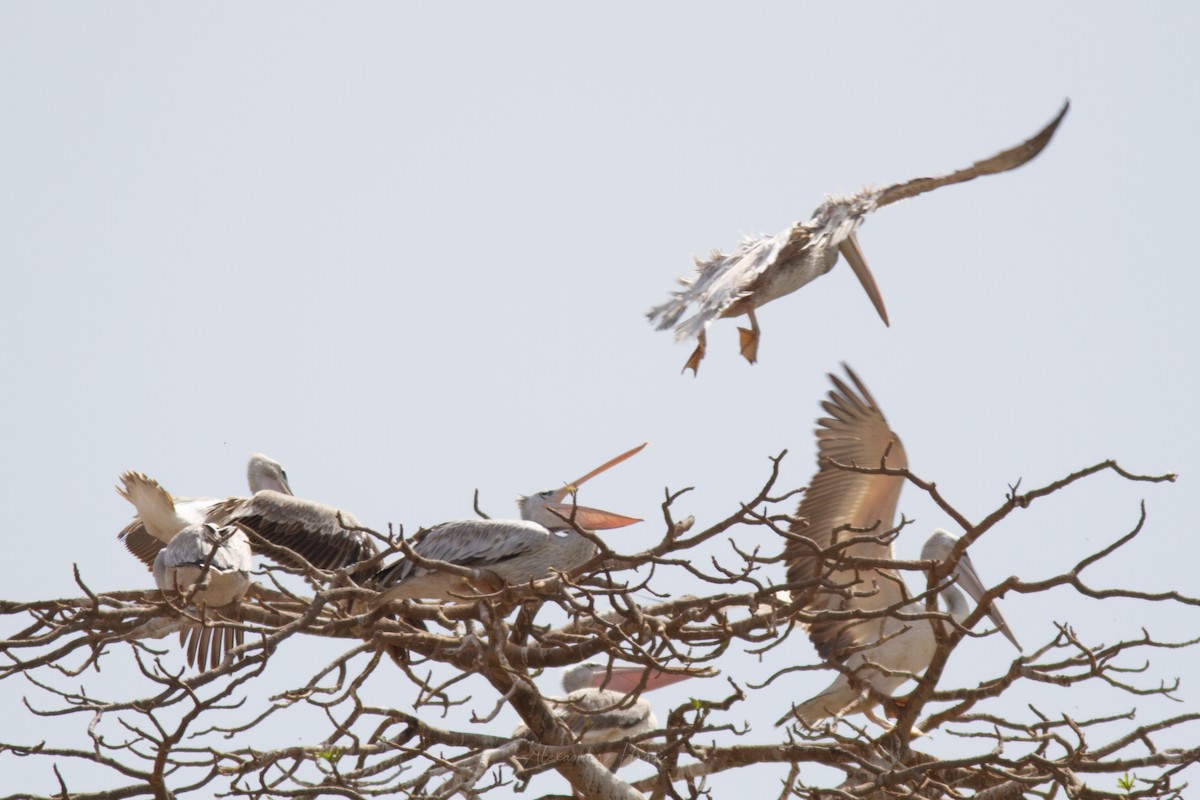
(764, 268)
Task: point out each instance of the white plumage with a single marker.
(326, 537)
(320, 535)
(597, 707)
(764, 268)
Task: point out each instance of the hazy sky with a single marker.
(407, 249)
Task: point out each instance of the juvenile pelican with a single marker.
(217, 561)
(516, 551)
(322, 535)
(885, 651)
(597, 707)
(764, 268)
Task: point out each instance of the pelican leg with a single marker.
(870, 714)
(749, 338)
(878, 720)
(693, 362)
(892, 710)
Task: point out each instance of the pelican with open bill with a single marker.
(514, 551)
(765, 268)
(880, 652)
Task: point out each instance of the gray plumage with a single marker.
(212, 564)
(325, 536)
(764, 268)
(319, 534)
(514, 551)
(604, 715)
(595, 715)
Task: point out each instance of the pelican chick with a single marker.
(597, 707)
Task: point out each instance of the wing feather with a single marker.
(140, 542)
(855, 432)
(469, 543)
(323, 535)
(159, 515)
(717, 283)
(1001, 162)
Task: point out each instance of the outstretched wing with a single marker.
(138, 541)
(326, 537)
(854, 433)
(159, 515)
(1001, 162)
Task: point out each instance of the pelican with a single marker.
(765, 268)
(322, 535)
(880, 653)
(597, 707)
(326, 537)
(211, 565)
(516, 551)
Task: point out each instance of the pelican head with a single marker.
(548, 509)
(937, 548)
(266, 474)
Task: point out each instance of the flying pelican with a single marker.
(882, 652)
(516, 551)
(214, 564)
(322, 535)
(597, 707)
(765, 268)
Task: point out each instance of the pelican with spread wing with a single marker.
(324, 536)
(876, 654)
(515, 551)
(764, 268)
(295, 530)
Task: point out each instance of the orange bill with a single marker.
(858, 262)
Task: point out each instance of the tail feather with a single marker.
(208, 644)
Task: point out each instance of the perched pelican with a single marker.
(597, 707)
(326, 537)
(516, 551)
(218, 561)
(322, 535)
(883, 652)
(764, 268)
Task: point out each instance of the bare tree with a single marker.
(205, 734)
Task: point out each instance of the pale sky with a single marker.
(407, 250)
